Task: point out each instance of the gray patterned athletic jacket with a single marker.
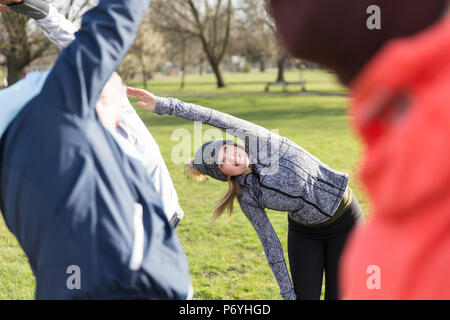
(285, 178)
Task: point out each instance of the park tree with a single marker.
(258, 35)
(21, 42)
(19, 45)
(182, 49)
(146, 54)
(251, 36)
(281, 56)
(208, 20)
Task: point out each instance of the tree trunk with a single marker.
(218, 73)
(262, 65)
(200, 70)
(15, 72)
(183, 62)
(144, 74)
(281, 65)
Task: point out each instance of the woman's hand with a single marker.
(148, 100)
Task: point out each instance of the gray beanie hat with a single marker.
(205, 159)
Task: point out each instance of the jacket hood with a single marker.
(14, 98)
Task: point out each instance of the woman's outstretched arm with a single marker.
(234, 126)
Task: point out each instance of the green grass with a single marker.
(226, 258)
(248, 83)
(16, 278)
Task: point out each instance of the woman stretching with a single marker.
(272, 172)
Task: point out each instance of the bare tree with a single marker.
(145, 55)
(21, 43)
(183, 49)
(207, 20)
(252, 37)
(18, 45)
(259, 25)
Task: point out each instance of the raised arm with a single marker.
(54, 25)
(272, 248)
(57, 28)
(83, 68)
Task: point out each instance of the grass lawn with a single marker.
(248, 83)
(226, 258)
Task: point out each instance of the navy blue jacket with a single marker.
(68, 192)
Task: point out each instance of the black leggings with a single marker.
(313, 250)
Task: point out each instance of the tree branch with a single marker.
(227, 30)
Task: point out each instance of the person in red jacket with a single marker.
(399, 76)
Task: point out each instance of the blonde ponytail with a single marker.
(227, 202)
(192, 172)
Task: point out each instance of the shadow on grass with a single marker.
(301, 113)
(262, 115)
